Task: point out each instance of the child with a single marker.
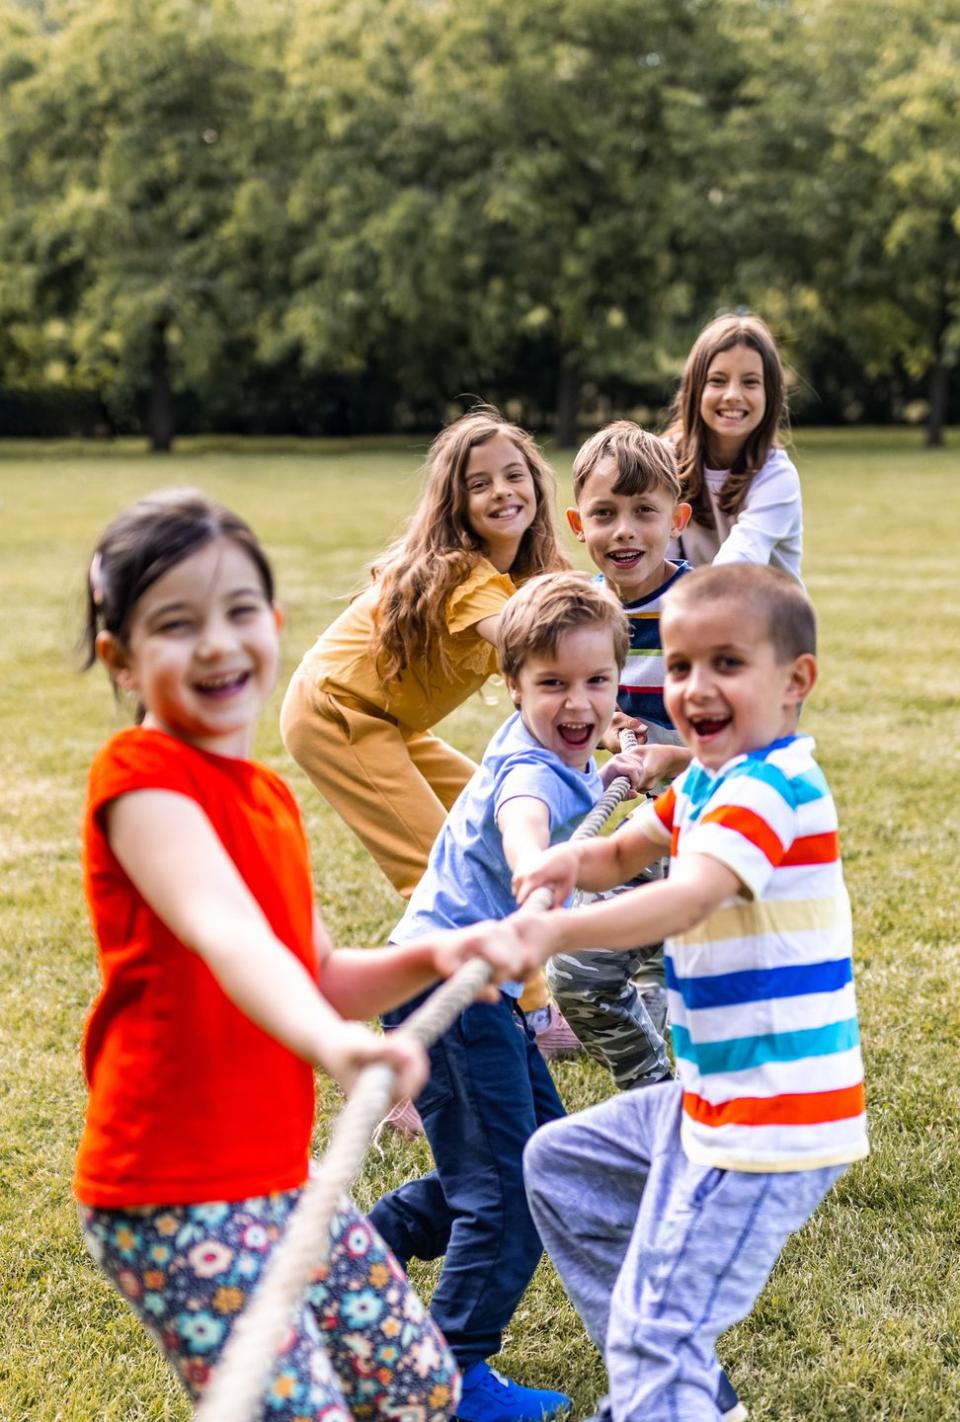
(200, 1048)
(418, 643)
(665, 1210)
(628, 507)
(727, 417)
(561, 640)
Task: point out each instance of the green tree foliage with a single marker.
(848, 131)
(128, 141)
(484, 182)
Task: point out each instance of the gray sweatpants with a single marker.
(615, 1001)
(659, 1256)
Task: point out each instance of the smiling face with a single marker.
(202, 650)
(501, 498)
(567, 697)
(627, 534)
(725, 689)
(733, 402)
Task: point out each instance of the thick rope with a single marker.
(236, 1389)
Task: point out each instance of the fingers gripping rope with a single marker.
(236, 1390)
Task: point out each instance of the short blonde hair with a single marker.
(550, 605)
(644, 460)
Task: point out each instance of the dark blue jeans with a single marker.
(489, 1090)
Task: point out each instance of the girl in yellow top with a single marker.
(419, 641)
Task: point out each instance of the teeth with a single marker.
(217, 683)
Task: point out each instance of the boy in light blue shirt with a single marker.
(562, 640)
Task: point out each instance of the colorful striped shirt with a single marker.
(762, 1006)
(640, 692)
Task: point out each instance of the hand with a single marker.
(351, 1047)
(629, 765)
(555, 869)
(492, 941)
(657, 763)
(622, 722)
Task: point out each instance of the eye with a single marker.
(677, 667)
(517, 475)
(475, 485)
(727, 662)
(170, 626)
(245, 609)
(600, 679)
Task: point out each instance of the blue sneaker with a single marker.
(731, 1408)
(490, 1397)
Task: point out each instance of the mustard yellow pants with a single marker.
(392, 785)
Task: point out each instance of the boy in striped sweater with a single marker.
(628, 507)
(665, 1210)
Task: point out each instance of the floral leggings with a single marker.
(188, 1270)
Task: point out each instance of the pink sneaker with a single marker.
(404, 1119)
(557, 1038)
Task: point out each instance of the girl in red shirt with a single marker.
(200, 1048)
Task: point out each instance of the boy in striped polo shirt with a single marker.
(665, 1210)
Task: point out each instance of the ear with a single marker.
(801, 678)
(279, 617)
(681, 517)
(576, 527)
(111, 651)
(514, 691)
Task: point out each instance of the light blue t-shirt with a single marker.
(467, 877)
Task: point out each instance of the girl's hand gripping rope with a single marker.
(350, 1048)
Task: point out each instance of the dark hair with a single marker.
(546, 607)
(686, 423)
(778, 598)
(419, 572)
(146, 541)
(644, 460)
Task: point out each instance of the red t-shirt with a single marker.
(189, 1099)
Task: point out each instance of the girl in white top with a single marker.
(727, 419)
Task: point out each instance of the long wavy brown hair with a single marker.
(439, 549)
(690, 434)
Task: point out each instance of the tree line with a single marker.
(341, 215)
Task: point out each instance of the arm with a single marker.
(593, 864)
(524, 825)
(172, 855)
(487, 627)
(771, 512)
(361, 982)
(697, 885)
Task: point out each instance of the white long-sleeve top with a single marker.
(768, 528)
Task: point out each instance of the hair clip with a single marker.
(96, 579)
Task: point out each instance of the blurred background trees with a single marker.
(334, 216)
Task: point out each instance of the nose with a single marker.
(699, 682)
(217, 637)
(576, 698)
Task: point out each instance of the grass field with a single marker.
(861, 1319)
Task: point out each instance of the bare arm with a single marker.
(487, 627)
(592, 864)
(367, 981)
(171, 853)
(524, 825)
(697, 885)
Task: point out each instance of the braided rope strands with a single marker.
(236, 1389)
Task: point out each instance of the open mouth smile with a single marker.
(222, 686)
(706, 727)
(626, 557)
(575, 734)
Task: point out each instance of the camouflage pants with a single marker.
(615, 1001)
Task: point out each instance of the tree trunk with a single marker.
(938, 388)
(160, 414)
(938, 376)
(568, 404)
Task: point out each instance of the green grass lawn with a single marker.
(861, 1319)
